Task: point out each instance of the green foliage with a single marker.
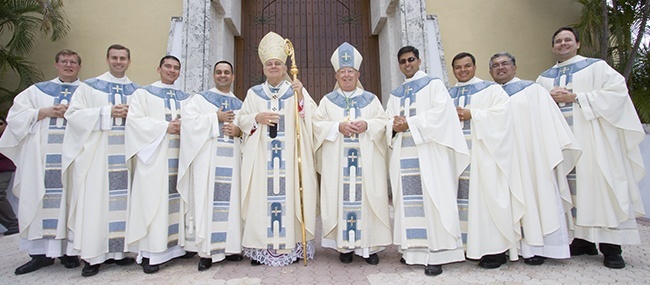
(26, 21)
(640, 84)
(624, 19)
(590, 28)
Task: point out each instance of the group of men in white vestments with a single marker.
(555, 165)
(106, 183)
(484, 170)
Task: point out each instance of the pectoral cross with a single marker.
(463, 91)
(225, 105)
(65, 92)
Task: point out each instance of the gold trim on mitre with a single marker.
(272, 47)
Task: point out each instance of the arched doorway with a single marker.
(316, 28)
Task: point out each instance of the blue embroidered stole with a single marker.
(563, 77)
(276, 170)
(412, 199)
(226, 158)
(516, 87)
(462, 96)
(118, 174)
(351, 188)
(172, 103)
(54, 210)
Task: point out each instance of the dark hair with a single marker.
(168, 57)
(570, 29)
(67, 52)
(462, 55)
(408, 49)
(120, 47)
(2, 118)
(232, 69)
(503, 53)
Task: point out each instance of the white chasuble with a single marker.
(425, 163)
(208, 173)
(605, 124)
(486, 204)
(354, 195)
(546, 153)
(155, 218)
(100, 175)
(35, 146)
(269, 177)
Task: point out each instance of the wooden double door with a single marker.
(316, 28)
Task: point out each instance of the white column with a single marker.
(209, 30)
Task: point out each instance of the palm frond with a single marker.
(641, 100)
(25, 69)
(30, 20)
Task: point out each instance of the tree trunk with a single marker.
(604, 35)
(639, 37)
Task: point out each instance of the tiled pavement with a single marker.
(326, 269)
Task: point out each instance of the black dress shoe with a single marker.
(372, 259)
(346, 257)
(580, 247)
(255, 262)
(187, 255)
(432, 270)
(402, 260)
(90, 270)
(37, 262)
(492, 261)
(205, 264)
(70, 261)
(125, 261)
(234, 257)
(535, 260)
(614, 261)
(11, 231)
(148, 268)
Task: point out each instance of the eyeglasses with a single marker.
(410, 59)
(70, 62)
(344, 71)
(503, 63)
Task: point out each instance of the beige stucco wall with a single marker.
(141, 25)
(521, 27)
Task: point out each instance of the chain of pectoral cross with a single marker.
(349, 104)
